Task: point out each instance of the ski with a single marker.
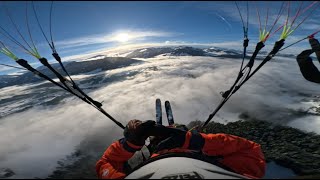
(169, 113)
(158, 111)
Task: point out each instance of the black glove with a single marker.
(315, 45)
(136, 131)
(177, 141)
(171, 142)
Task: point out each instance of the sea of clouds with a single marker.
(33, 140)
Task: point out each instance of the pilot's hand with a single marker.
(136, 131)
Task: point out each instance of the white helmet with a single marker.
(181, 168)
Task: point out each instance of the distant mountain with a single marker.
(218, 52)
(149, 52)
(96, 57)
(181, 51)
(73, 68)
(153, 52)
(6, 79)
(279, 54)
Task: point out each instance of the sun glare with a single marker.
(123, 37)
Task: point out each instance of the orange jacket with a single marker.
(241, 155)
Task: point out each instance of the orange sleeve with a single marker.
(111, 164)
(241, 155)
(225, 144)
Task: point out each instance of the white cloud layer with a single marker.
(33, 141)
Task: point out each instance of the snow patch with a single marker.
(143, 50)
(96, 58)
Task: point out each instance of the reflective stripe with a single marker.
(127, 147)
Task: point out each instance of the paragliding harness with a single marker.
(309, 71)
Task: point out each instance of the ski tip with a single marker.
(158, 111)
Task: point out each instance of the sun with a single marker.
(123, 37)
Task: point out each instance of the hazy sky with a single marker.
(82, 27)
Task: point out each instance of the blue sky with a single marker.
(82, 27)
